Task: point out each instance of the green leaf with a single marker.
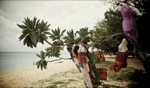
(22, 36)
(38, 55)
(33, 38)
(22, 26)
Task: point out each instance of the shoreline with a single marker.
(25, 77)
(62, 73)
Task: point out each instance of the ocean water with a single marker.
(10, 61)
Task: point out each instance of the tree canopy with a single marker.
(106, 34)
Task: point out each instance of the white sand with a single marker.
(64, 74)
(25, 77)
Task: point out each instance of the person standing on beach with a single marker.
(129, 24)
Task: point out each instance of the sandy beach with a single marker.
(33, 77)
(59, 74)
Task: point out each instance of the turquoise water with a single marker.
(10, 61)
(15, 60)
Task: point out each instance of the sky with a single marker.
(63, 14)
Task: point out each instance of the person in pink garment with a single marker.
(128, 24)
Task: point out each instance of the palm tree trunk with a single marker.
(60, 59)
(52, 44)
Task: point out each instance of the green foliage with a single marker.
(41, 63)
(33, 31)
(70, 38)
(52, 52)
(83, 34)
(37, 31)
(28, 32)
(56, 36)
(109, 26)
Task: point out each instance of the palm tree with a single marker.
(70, 38)
(52, 52)
(83, 35)
(57, 36)
(34, 31)
(29, 32)
(41, 63)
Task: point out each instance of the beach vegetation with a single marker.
(41, 63)
(57, 36)
(106, 34)
(33, 31)
(71, 37)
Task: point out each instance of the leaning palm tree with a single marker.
(70, 38)
(83, 35)
(29, 32)
(52, 52)
(56, 36)
(41, 63)
(34, 31)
